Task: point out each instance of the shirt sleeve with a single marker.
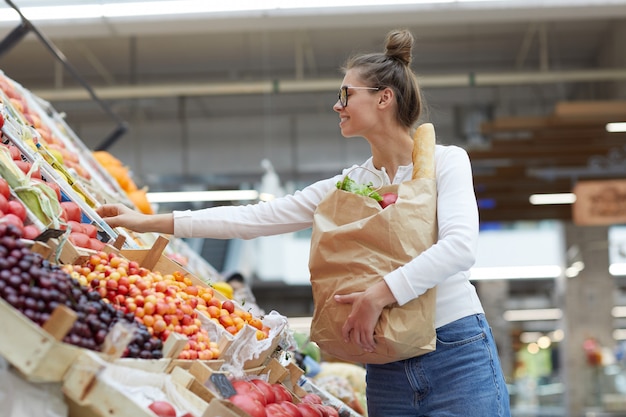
(457, 220)
(283, 215)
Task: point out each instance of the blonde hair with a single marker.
(392, 69)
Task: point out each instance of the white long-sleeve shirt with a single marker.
(444, 265)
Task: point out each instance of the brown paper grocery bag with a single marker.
(355, 243)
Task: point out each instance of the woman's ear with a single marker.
(386, 98)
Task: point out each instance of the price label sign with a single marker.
(223, 385)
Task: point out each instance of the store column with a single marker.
(586, 301)
(493, 296)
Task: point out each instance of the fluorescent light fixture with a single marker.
(616, 127)
(618, 311)
(533, 314)
(617, 269)
(562, 198)
(619, 334)
(168, 7)
(190, 196)
(516, 272)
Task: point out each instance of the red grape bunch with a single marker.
(35, 287)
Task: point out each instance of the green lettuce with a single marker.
(352, 186)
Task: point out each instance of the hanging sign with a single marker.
(599, 203)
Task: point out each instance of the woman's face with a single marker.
(360, 115)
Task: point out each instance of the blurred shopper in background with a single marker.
(242, 293)
(380, 100)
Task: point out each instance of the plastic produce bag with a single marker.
(21, 398)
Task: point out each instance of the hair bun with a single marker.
(399, 44)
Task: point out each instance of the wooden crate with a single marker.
(89, 393)
(35, 352)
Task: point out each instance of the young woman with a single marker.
(380, 101)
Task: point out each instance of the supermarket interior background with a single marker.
(228, 97)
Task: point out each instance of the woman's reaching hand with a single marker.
(119, 215)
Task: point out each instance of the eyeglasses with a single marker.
(343, 93)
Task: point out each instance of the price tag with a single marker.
(49, 234)
(223, 385)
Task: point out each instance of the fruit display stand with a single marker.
(96, 379)
(58, 138)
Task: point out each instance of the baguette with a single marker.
(424, 151)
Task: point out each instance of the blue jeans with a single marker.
(462, 377)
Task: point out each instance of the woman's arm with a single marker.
(457, 219)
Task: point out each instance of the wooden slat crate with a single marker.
(31, 349)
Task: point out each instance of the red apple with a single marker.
(388, 198)
(162, 409)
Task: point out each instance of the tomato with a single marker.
(275, 410)
(311, 398)
(79, 239)
(72, 211)
(290, 408)
(53, 186)
(5, 191)
(281, 393)
(30, 232)
(16, 155)
(75, 226)
(249, 405)
(4, 204)
(248, 388)
(330, 411)
(96, 244)
(25, 167)
(162, 409)
(90, 230)
(309, 410)
(13, 219)
(16, 207)
(266, 388)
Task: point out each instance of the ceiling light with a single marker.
(98, 10)
(561, 198)
(616, 127)
(516, 272)
(533, 314)
(617, 269)
(191, 196)
(618, 311)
